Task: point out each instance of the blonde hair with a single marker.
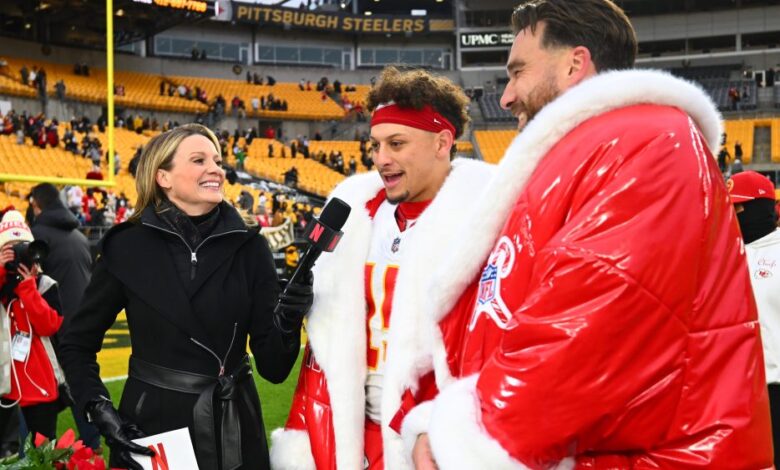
(158, 154)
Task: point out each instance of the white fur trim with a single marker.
(336, 324)
(411, 327)
(291, 450)
(458, 440)
(415, 423)
(593, 97)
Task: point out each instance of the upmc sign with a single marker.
(499, 39)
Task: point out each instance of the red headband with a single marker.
(426, 118)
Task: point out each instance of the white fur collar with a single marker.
(593, 97)
(336, 325)
(484, 218)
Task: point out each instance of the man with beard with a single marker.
(365, 289)
(600, 315)
(753, 196)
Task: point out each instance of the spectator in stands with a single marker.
(317, 136)
(262, 216)
(73, 198)
(270, 150)
(59, 89)
(32, 314)
(337, 86)
(736, 166)
(734, 98)
(33, 76)
(352, 165)
(25, 74)
(256, 103)
(119, 90)
(257, 79)
(95, 173)
(753, 196)
(20, 137)
(738, 150)
(178, 378)
(302, 84)
(293, 148)
(270, 81)
(171, 89)
(269, 132)
(132, 167)
(69, 263)
(240, 155)
(246, 201)
(291, 177)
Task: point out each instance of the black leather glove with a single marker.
(118, 433)
(294, 303)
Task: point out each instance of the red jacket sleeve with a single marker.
(44, 319)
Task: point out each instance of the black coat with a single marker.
(234, 287)
(69, 259)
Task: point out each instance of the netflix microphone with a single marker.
(323, 235)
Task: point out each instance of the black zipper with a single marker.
(193, 253)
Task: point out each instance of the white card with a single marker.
(20, 347)
(173, 448)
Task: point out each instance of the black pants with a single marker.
(42, 418)
(774, 411)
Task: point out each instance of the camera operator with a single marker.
(29, 303)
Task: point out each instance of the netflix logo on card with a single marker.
(173, 451)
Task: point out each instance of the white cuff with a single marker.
(458, 439)
(291, 450)
(414, 424)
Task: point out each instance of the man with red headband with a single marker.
(370, 288)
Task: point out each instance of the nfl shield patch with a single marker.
(396, 245)
(487, 284)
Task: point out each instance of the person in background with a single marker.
(69, 263)
(579, 324)
(212, 291)
(30, 305)
(753, 196)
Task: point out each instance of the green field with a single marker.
(275, 400)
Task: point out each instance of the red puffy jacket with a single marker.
(31, 313)
(607, 319)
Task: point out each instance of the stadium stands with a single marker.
(493, 144)
(490, 105)
(740, 130)
(143, 91)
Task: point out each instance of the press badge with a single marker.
(20, 347)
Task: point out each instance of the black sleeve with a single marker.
(275, 352)
(103, 299)
(52, 297)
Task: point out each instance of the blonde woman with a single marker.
(196, 284)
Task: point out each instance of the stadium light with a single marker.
(419, 12)
(368, 13)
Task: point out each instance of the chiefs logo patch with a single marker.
(762, 273)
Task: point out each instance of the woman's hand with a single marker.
(6, 255)
(28, 273)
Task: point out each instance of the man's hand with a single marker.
(422, 457)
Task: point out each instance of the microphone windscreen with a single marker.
(335, 214)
